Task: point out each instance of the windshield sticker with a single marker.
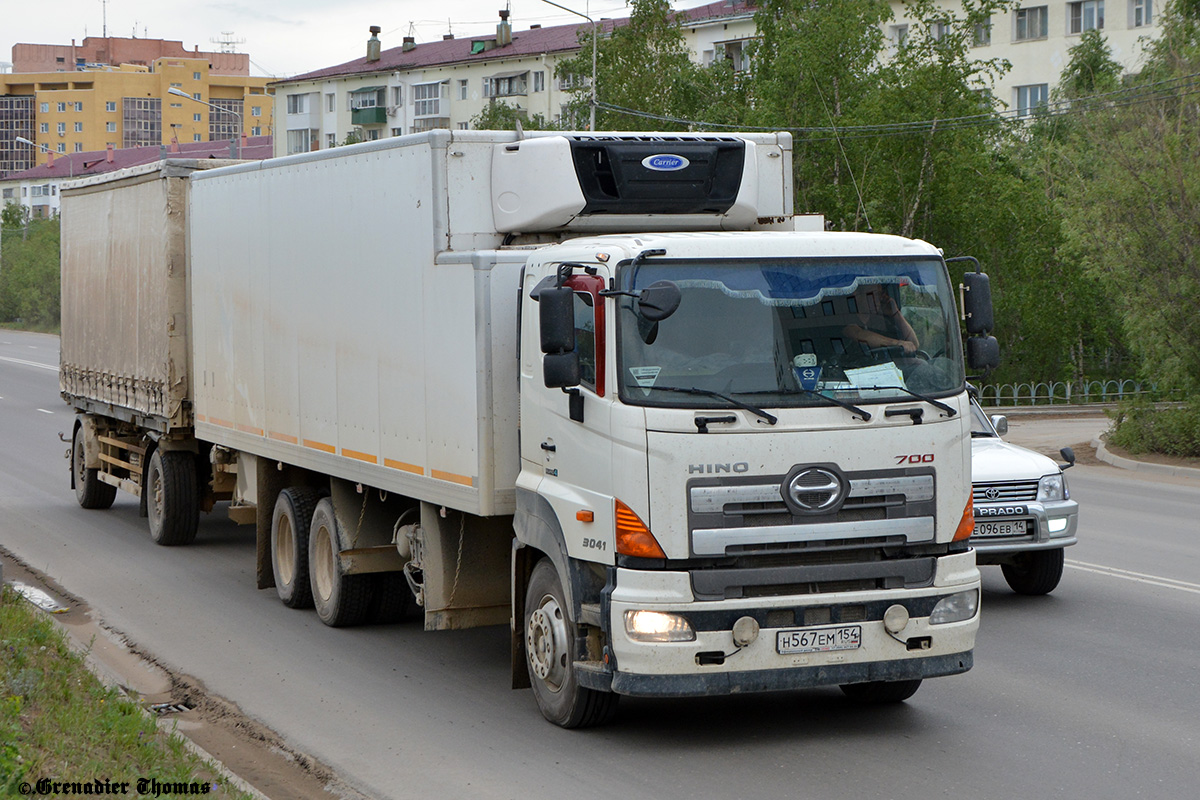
(879, 376)
(645, 377)
(807, 371)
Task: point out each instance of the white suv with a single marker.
(1024, 514)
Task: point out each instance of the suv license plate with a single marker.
(818, 640)
(1012, 527)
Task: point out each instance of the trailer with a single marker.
(605, 388)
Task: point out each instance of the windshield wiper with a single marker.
(862, 413)
(770, 418)
(950, 411)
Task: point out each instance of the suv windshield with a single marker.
(790, 332)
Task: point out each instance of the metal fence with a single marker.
(1064, 393)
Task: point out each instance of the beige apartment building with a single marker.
(444, 84)
(84, 104)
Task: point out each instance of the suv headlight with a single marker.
(1052, 488)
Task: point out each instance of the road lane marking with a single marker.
(1136, 577)
(29, 363)
(44, 411)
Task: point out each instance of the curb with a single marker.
(1104, 455)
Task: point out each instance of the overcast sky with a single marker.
(283, 37)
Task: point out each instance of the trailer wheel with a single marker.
(341, 600)
(881, 692)
(173, 499)
(289, 545)
(90, 491)
(1035, 573)
(549, 655)
(392, 600)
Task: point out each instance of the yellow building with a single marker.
(126, 106)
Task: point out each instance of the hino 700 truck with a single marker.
(605, 388)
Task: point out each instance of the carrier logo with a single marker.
(665, 162)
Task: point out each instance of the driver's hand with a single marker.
(908, 346)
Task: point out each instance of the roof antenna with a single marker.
(861, 207)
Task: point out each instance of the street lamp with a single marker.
(595, 47)
(52, 153)
(234, 143)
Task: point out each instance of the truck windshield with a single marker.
(790, 332)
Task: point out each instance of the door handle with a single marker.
(549, 448)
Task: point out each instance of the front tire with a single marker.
(173, 502)
(340, 600)
(1035, 573)
(550, 654)
(881, 692)
(289, 545)
(90, 491)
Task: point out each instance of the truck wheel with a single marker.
(341, 600)
(173, 502)
(90, 491)
(549, 654)
(289, 545)
(392, 600)
(880, 692)
(1035, 573)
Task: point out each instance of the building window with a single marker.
(62, 147)
(1031, 24)
(983, 33)
(297, 104)
(176, 85)
(111, 127)
(507, 84)
(79, 127)
(45, 108)
(196, 138)
(79, 147)
(195, 76)
(196, 96)
(397, 131)
(397, 95)
(195, 117)
(463, 88)
(110, 105)
(176, 105)
(539, 81)
(366, 99)
(141, 121)
(464, 126)
(62, 106)
(62, 128)
(737, 54)
(303, 140)
(1140, 13)
(223, 120)
(1085, 16)
(256, 131)
(330, 140)
(899, 35)
(1030, 97)
(427, 99)
(44, 127)
(371, 134)
(79, 106)
(256, 111)
(330, 102)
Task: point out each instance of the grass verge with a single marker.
(1142, 427)
(59, 723)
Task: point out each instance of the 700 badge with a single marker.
(915, 458)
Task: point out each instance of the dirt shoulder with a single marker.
(249, 750)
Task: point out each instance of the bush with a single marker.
(1140, 427)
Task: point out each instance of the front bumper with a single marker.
(1050, 526)
(713, 664)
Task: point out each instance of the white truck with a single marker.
(657, 450)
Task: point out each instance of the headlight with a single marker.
(955, 608)
(1052, 488)
(655, 626)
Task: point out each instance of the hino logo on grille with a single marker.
(814, 490)
(665, 162)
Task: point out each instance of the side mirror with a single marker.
(983, 352)
(1000, 423)
(977, 303)
(561, 370)
(658, 301)
(1068, 455)
(557, 319)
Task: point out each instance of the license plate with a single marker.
(1012, 527)
(819, 640)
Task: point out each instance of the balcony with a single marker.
(376, 115)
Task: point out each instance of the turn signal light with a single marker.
(633, 537)
(966, 526)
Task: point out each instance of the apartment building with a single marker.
(84, 104)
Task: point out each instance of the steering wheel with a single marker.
(894, 352)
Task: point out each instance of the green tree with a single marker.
(29, 273)
(1091, 69)
(500, 116)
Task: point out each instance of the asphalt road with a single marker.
(1092, 692)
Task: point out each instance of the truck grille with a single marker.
(1005, 492)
